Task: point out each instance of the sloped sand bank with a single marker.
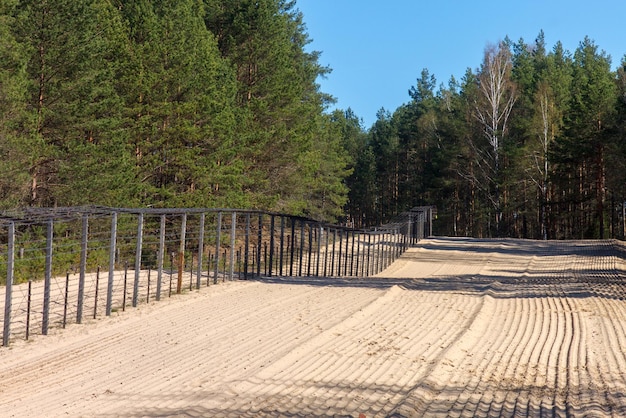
(456, 327)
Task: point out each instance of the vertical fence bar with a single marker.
(390, 248)
(181, 254)
(125, 286)
(247, 247)
(111, 263)
(301, 247)
(265, 258)
(358, 250)
(83, 268)
(407, 233)
(271, 260)
(160, 256)
(379, 252)
(282, 242)
(138, 254)
(218, 236)
(308, 265)
(332, 255)
(319, 250)
(8, 296)
(383, 252)
(67, 291)
(200, 250)
(352, 273)
(350, 253)
(327, 233)
(28, 305)
(47, 279)
(259, 245)
(95, 299)
(339, 255)
(148, 286)
(366, 255)
(293, 246)
(398, 243)
(233, 232)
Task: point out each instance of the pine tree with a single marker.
(181, 101)
(590, 123)
(278, 98)
(70, 50)
(14, 176)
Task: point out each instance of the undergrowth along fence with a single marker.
(66, 265)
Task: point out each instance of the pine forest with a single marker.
(216, 103)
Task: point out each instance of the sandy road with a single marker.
(456, 327)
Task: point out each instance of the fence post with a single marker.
(111, 263)
(301, 247)
(259, 246)
(319, 250)
(247, 249)
(271, 260)
(233, 231)
(28, 305)
(9, 286)
(200, 250)
(332, 255)
(366, 256)
(47, 279)
(181, 254)
(308, 265)
(293, 245)
(430, 222)
(379, 249)
(160, 256)
(358, 252)
(138, 253)
(340, 252)
(327, 233)
(282, 243)
(67, 290)
(387, 249)
(218, 236)
(83, 268)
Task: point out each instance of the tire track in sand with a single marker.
(323, 370)
(495, 328)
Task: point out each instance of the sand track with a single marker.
(456, 327)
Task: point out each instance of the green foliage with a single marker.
(556, 170)
(214, 103)
(187, 103)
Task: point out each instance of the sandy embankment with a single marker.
(454, 328)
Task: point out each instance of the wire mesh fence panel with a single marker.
(69, 265)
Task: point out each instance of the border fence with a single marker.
(66, 265)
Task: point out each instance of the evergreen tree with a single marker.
(181, 101)
(278, 98)
(14, 176)
(590, 123)
(70, 49)
(386, 148)
(325, 166)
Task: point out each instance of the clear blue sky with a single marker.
(377, 50)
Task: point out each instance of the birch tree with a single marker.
(551, 98)
(492, 108)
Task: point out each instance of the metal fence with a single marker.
(65, 265)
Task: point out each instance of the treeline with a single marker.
(531, 144)
(206, 103)
(214, 103)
